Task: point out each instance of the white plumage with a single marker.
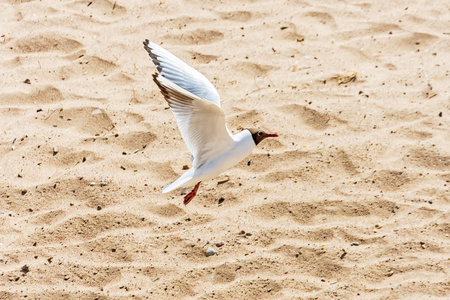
(196, 105)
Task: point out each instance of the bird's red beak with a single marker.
(272, 135)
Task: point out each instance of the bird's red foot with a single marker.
(191, 195)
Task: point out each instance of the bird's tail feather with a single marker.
(185, 178)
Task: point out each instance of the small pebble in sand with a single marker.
(97, 111)
(210, 252)
(102, 184)
(219, 244)
(55, 151)
(354, 244)
(92, 183)
(25, 269)
(24, 191)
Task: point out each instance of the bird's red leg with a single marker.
(191, 195)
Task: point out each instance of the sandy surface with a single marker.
(350, 202)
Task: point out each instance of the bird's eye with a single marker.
(259, 133)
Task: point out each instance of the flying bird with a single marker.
(195, 103)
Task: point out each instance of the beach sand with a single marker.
(350, 202)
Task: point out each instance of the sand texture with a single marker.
(350, 202)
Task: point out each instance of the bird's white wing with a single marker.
(180, 73)
(202, 123)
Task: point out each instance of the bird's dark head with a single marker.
(259, 135)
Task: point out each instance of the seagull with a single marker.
(195, 103)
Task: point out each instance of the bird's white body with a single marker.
(243, 146)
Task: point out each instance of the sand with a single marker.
(350, 202)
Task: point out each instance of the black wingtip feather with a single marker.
(152, 55)
(146, 45)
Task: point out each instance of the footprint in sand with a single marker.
(98, 8)
(309, 116)
(88, 226)
(432, 159)
(46, 43)
(131, 141)
(91, 120)
(236, 16)
(325, 19)
(195, 37)
(92, 65)
(39, 95)
(252, 69)
(286, 31)
(306, 212)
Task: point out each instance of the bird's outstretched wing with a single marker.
(180, 73)
(201, 121)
